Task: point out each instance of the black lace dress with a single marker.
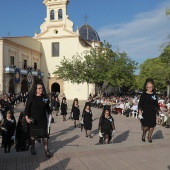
(63, 108)
(38, 110)
(10, 126)
(87, 119)
(149, 106)
(76, 112)
(106, 125)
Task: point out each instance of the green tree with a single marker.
(165, 58)
(153, 68)
(165, 55)
(98, 66)
(167, 11)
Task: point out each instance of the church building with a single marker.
(22, 58)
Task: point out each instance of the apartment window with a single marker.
(35, 66)
(12, 61)
(55, 49)
(25, 64)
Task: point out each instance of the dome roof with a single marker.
(87, 33)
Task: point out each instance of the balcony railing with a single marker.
(10, 69)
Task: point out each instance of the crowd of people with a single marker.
(128, 105)
(33, 125)
(8, 125)
(31, 68)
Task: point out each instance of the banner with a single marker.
(17, 75)
(39, 74)
(29, 77)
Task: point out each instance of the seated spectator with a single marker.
(134, 109)
(127, 109)
(120, 107)
(168, 120)
(162, 117)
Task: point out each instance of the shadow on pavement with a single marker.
(41, 158)
(62, 132)
(122, 137)
(95, 132)
(61, 165)
(158, 135)
(55, 145)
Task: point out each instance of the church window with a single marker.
(60, 14)
(55, 49)
(52, 16)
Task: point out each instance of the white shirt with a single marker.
(134, 107)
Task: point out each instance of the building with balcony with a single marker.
(45, 51)
(22, 54)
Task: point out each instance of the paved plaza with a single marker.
(72, 150)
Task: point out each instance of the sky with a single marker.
(138, 27)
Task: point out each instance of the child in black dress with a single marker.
(76, 113)
(56, 105)
(106, 125)
(71, 113)
(64, 108)
(87, 118)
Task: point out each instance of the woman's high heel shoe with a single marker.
(48, 154)
(149, 140)
(143, 139)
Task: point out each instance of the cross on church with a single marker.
(86, 17)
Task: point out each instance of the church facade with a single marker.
(44, 51)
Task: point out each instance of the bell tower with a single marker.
(56, 17)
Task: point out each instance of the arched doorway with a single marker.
(24, 86)
(11, 86)
(55, 87)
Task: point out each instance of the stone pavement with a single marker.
(73, 151)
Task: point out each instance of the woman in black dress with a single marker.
(8, 126)
(22, 135)
(36, 110)
(76, 113)
(56, 105)
(148, 107)
(64, 108)
(24, 98)
(87, 118)
(71, 113)
(106, 125)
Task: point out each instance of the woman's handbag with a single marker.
(82, 125)
(100, 138)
